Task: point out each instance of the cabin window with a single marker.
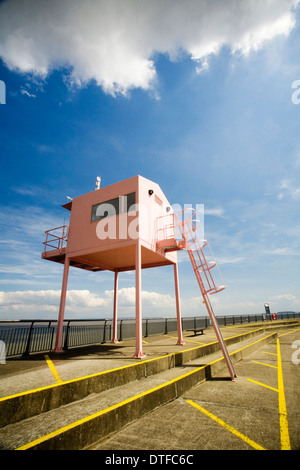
(113, 207)
(129, 202)
(106, 209)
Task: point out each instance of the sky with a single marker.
(201, 97)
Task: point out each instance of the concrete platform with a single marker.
(102, 398)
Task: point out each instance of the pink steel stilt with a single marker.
(60, 323)
(138, 301)
(178, 310)
(115, 319)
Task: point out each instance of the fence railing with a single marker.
(25, 337)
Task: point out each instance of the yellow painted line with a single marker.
(272, 354)
(186, 340)
(55, 374)
(264, 364)
(283, 422)
(191, 341)
(263, 385)
(95, 415)
(143, 341)
(227, 426)
(289, 332)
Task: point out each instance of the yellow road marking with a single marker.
(289, 332)
(272, 354)
(56, 375)
(264, 364)
(284, 429)
(227, 426)
(263, 385)
(186, 340)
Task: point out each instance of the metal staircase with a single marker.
(184, 225)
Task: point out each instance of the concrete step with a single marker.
(106, 405)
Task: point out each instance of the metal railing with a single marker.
(56, 238)
(25, 337)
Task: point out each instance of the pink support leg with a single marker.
(138, 302)
(178, 311)
(60, 323)
(114, 338)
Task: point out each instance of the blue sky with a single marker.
(198, 100)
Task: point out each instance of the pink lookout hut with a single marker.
(114, 228)
(130, 225)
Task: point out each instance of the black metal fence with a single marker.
(24, 337)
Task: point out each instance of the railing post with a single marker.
(121, 324)
(45, 243)
(65, 347)
(104, 331)
(26, 352)
(146, 330)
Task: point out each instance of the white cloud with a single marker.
(283, 302)
(216, 211)
(25, 92)
(40, 302)
(126, 296)
(288, 189)
(114, 42)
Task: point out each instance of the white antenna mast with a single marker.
(97, 184)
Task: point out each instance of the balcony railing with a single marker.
(56, 238)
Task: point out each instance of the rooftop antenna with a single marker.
(97, 184)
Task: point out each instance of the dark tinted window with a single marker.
(106, 209)
(129, 202)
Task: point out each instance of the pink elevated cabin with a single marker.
(116, 228)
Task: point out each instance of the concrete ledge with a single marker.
(88, 431)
